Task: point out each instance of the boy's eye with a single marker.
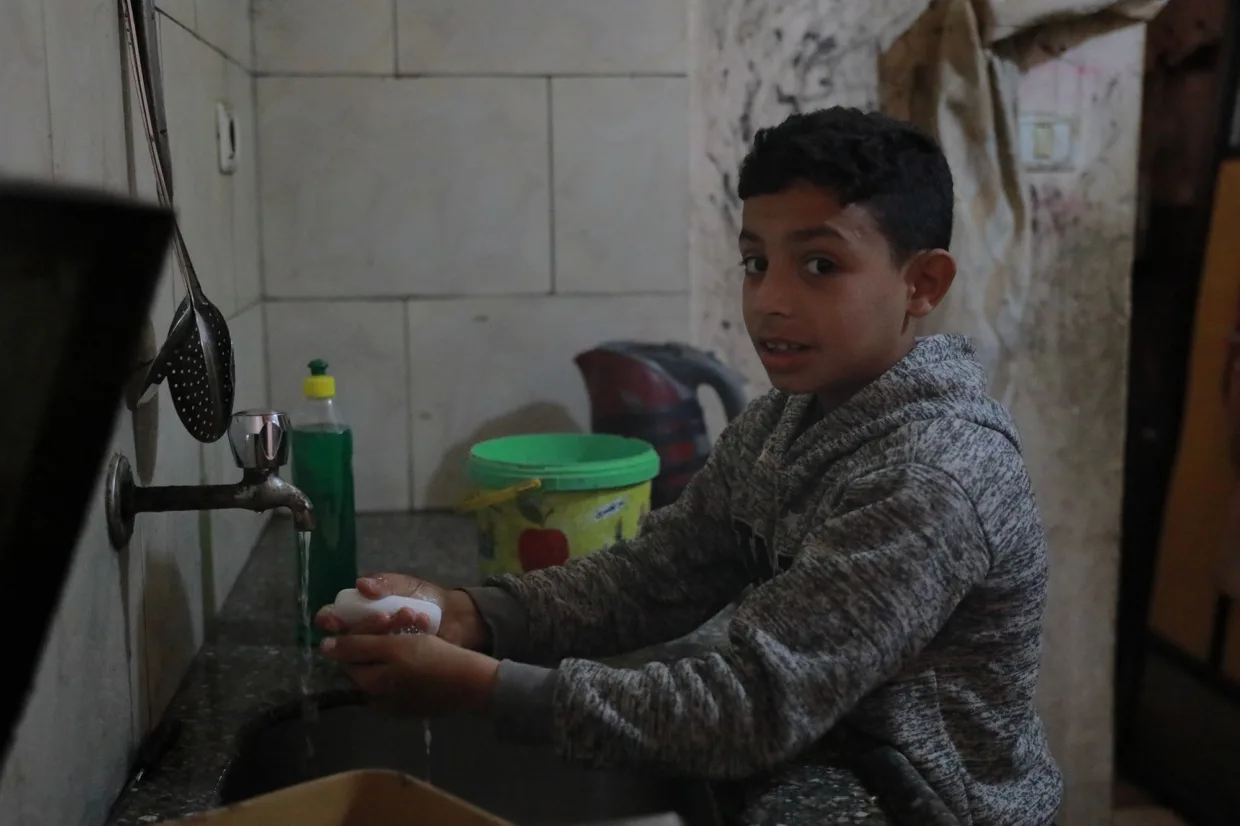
(754, 264)
(820, 266)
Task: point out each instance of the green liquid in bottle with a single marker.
(323, 470)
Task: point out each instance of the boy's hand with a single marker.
(460, 625)
(416, 673)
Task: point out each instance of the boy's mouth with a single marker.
(781, 345)
(781, 356)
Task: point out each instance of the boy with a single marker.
(876, 501)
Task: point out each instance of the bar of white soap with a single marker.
(351, 607)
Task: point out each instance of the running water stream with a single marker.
(309, 709)
(426, 738)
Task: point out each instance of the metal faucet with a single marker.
(259, 442)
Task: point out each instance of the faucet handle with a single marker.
(259, 439)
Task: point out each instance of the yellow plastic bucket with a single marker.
(544, 499)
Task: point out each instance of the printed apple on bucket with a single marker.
(544, 499)
(541, 548)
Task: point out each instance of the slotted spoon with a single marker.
(197, 357)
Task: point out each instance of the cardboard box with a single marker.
(357, 798)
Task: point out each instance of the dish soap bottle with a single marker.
(323, 470)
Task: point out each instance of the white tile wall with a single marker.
(364, 344)
(233, 532)
(168, 616)
(173, 606)
(372, 188)
(71, 749)
(129, 622)
(164, 553)
(220, 220)
(540, 148)
(324, 37)
(541, 37)
(192, 559)
(492, 367)
(225, 24)
(202, 197)
(387, 187)
(25, 141)
(183, 11)
(246, 221)
(620, 161)
(84, 90)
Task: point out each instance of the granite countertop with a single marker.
(250, 663)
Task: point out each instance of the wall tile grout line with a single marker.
(243, 310)
(47, 96)
(258, 191)
(266, 345)
(411, 500)
(252, 12)
(395, 40)
(551, 180)
(328, 75)
(345, 299)
(127, 107)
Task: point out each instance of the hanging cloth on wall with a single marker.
(955, 73)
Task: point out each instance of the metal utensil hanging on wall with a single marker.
(197, 357)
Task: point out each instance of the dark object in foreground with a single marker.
(526, 785)
(78, 270)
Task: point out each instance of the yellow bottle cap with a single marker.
(319, 385)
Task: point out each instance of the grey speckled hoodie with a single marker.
(898, 566)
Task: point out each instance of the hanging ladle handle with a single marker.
(140, 62)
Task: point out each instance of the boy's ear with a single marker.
(928, 276)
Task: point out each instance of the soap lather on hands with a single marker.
(422, 673)
(460, 623)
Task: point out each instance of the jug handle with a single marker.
(704, 368)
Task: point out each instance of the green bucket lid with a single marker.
(563, 461)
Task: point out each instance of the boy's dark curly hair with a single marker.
(892, 168)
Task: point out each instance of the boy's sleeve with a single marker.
(869, 590)
(681, 570)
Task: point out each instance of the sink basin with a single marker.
(522, 784)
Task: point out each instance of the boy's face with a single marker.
(825, 304)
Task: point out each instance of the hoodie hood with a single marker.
(940, 378)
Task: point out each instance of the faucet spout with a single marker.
(257, 440)
(257, 491)
(274, 492)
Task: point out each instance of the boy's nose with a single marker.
(776, 293)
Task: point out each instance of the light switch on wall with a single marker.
(1048, 142)
(226, 138)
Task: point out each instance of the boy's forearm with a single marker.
(785, 678)
(523, 701)
(504, 619)
(627, 597)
